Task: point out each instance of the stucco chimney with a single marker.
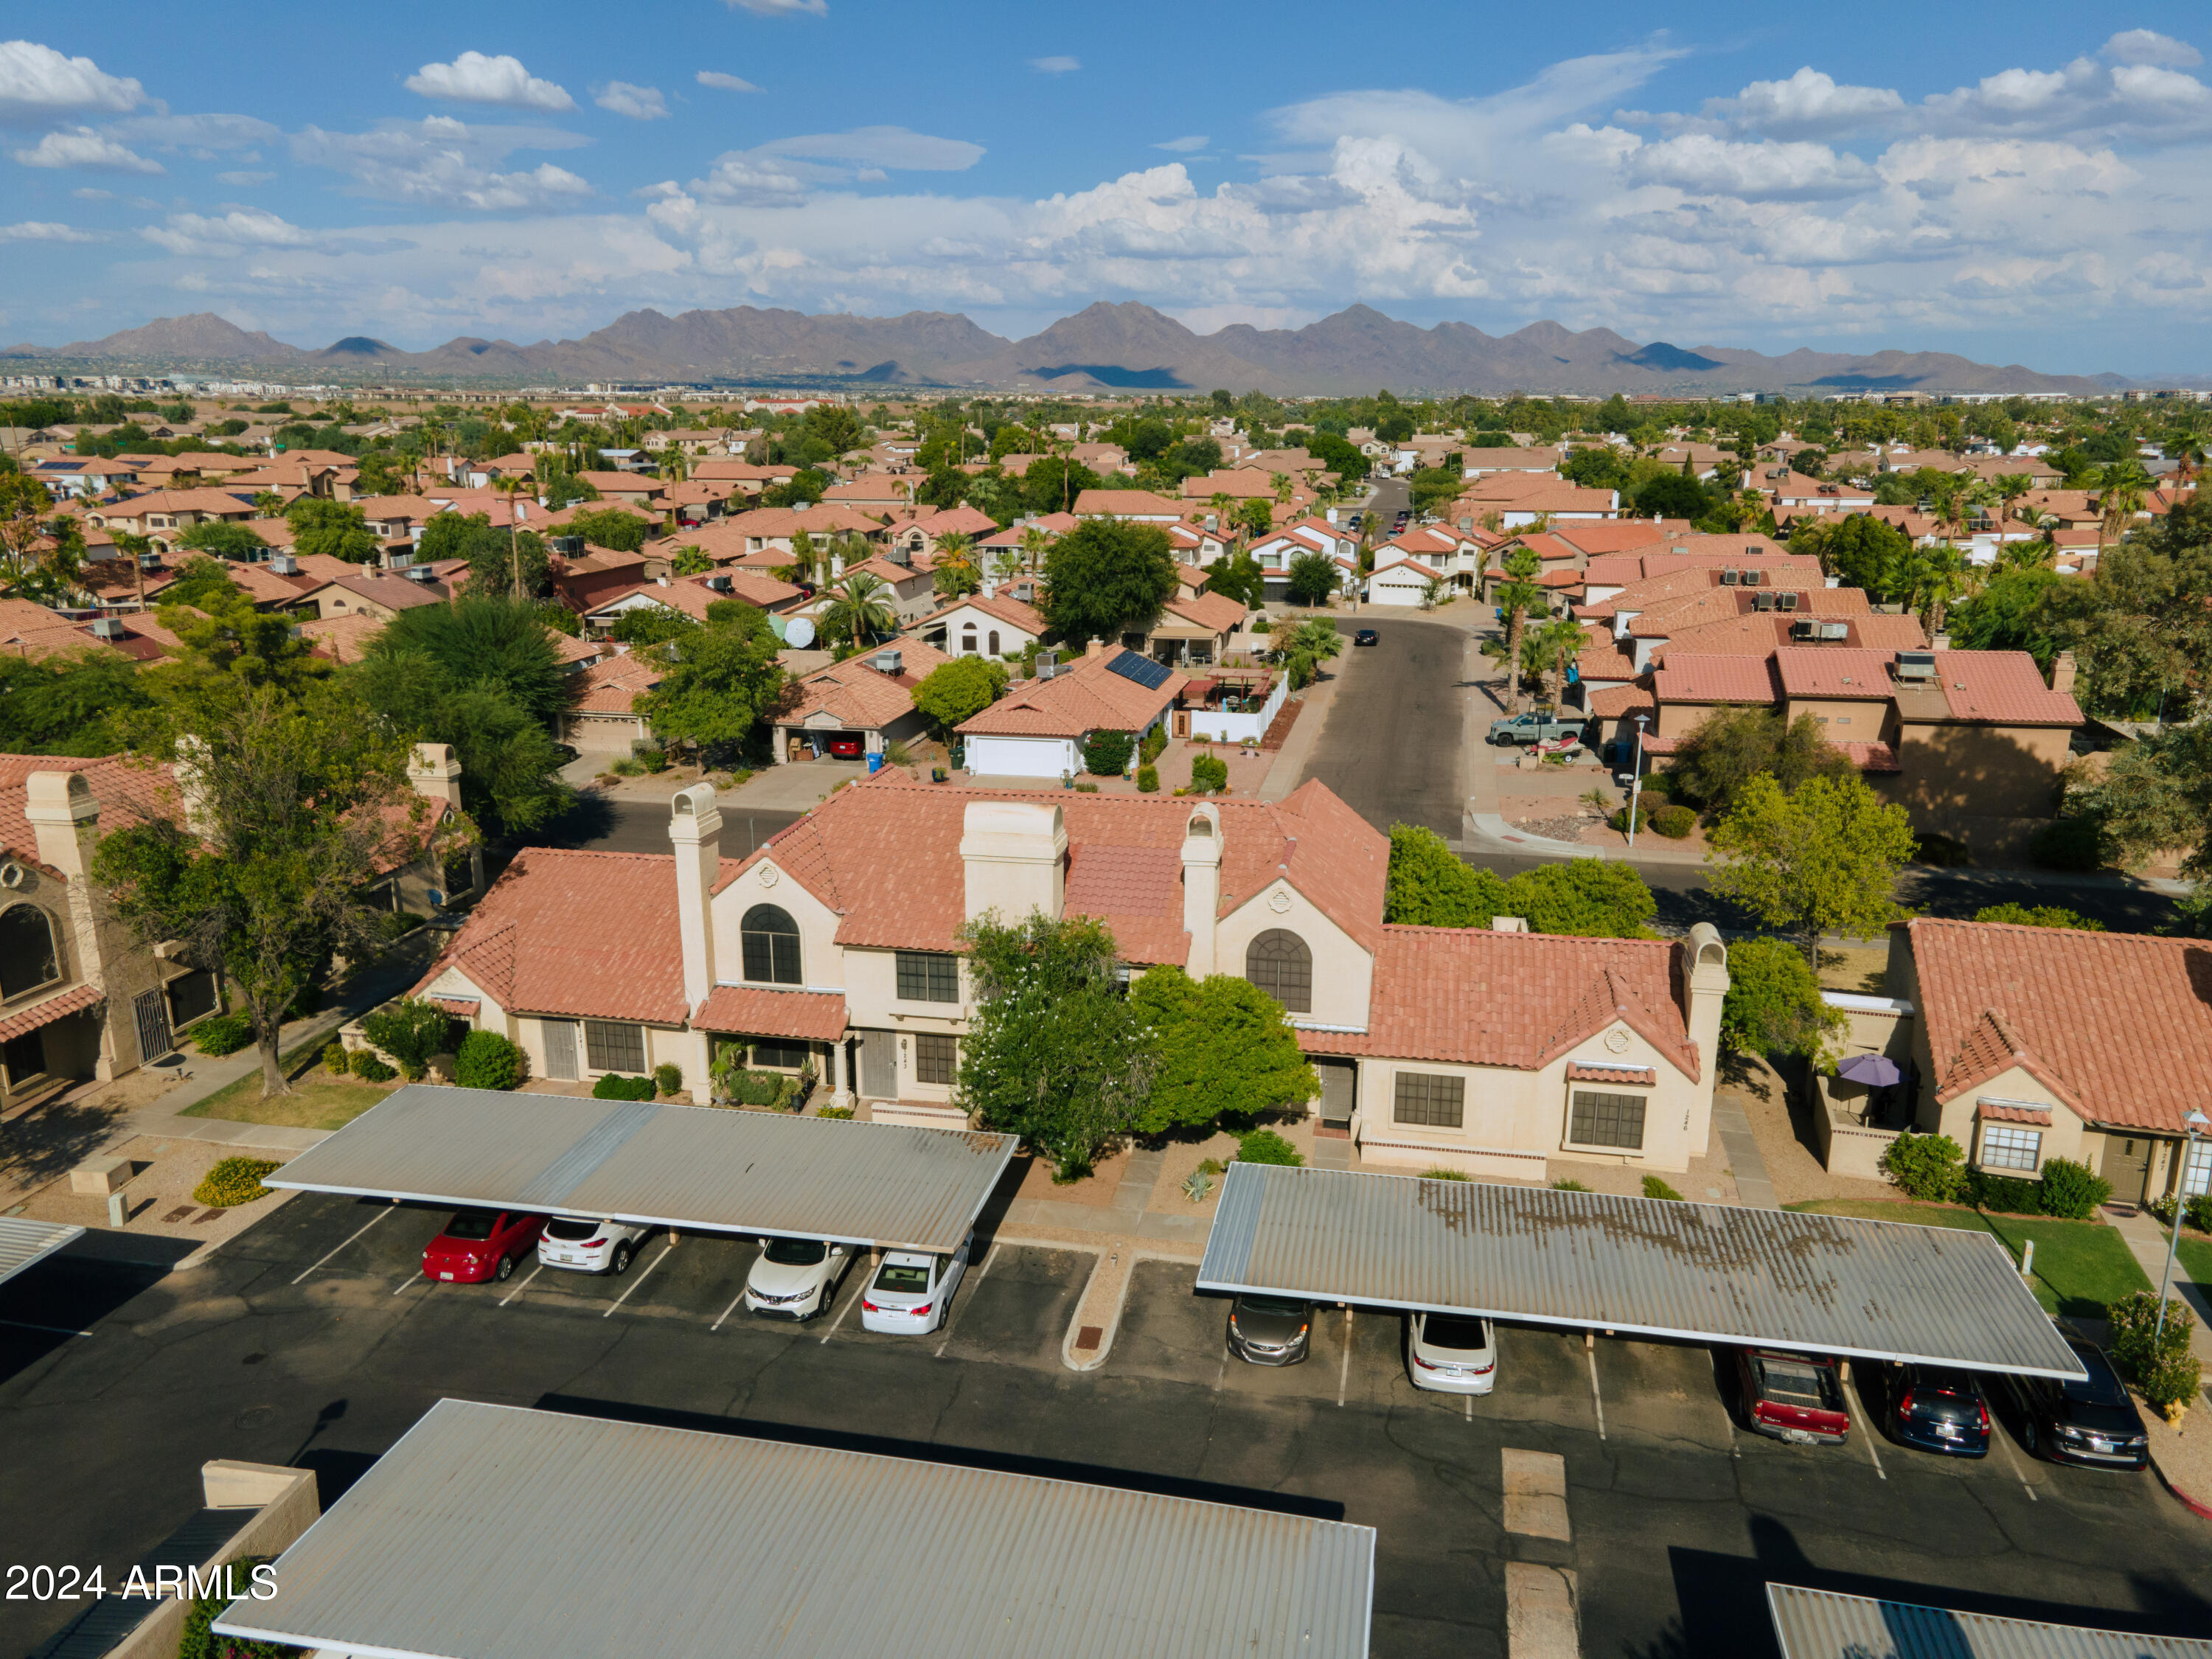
(1095, 649)
(1509, 924)
(1015, 855)
(1202, 886)
(63, 813)
(2062, 673)
(695, 825)
(1709, 984)
(435, 773)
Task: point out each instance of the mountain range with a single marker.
(1106, 348)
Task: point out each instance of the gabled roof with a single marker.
(1090, 697)
(1004, 607)
(1125, 504)
(1217, 611)
(1692, 678)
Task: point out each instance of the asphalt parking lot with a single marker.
(312, 1340)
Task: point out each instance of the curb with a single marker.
(1107, 1256)
(1494, 826)
(2202, 1511)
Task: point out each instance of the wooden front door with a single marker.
(2126, 1165)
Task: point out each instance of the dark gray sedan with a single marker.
(1270, 1330)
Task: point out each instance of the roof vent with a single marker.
(107, 628)
(1916, 664)
(421, 573)
(283, 564)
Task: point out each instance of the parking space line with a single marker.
(59, 1330)
(410, 1282)
(953, 1313)
(373, 1220)
(857, 1291)
(1597, 1400)
(522, 1287)
(635, 1282)
(1859, 1417)
(1470, 1407)
(1344, 1370)
(2012, 1461)
(728, 1311)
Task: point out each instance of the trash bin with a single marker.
(875, 763)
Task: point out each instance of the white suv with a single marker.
(590, 1247)
(913, 1291)
(795, 1278)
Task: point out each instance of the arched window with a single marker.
(967, 643)
(1279, 964)
(27, 957)
(769, 940)
(995, 642)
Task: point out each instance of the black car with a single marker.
(1938, 1409)
(1270, 1330)
(2091, 1422)
(1367, 637)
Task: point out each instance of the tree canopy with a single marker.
(721, 680)
(1773, 1004)
(610, 527)
(1818, 860)
(1428, 885)
(1106, 575)
(329, 529)
(1222, 1050)
(958, 690)
(1734, 744)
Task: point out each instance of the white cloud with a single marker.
(88, 193)
(1184, 146)
(2148, 46)
(81, 147)
(34, 230)
(36, 83)
(441, 163)
(725, 82)
(203, 136)
(194, 234)
(1809, 103)
(781, 8)
(473, 78)
(881, 147)
(639, 103)
(1704, 166)
(1056, 65)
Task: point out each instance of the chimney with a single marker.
(1094, 649)
(2062, 673)
(434, 774)
(62, 815)
(1015, 855)
(1709, 985)
(696, 827)
(1509, 924)
(1942, 642)
(1202, 886)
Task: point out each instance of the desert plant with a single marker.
(369, 1069)
(615, 1086)
(234, 1181)
(1265, 1147)
(835, 1111)
(486, 1060)
(1569, 1186)
(1156, 740)
(1437, 1172)
(1655, 1188)
(335, 1059)
(2072, 1191)
(668, 1076)
(895, 753)
(1209, 774)
(1674, 822)
(223, 1034)
(1928, 1167)
(1196, 1185)
(1148, 779)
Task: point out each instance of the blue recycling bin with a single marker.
(875, 763)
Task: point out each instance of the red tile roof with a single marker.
(1818, 671)
(1090, 698)
(1125, 504)
(2003, 688)
(612, 685)
(1591, 1072)
(752, 1011)
(1217, 611)
(24, 1021)
(2117, 1026)
(1692, 678)
(1475, 998)
(1998, 1112)
(126, 792)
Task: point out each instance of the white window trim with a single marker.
(1981, 1148)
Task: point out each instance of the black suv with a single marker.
(2091, 1422)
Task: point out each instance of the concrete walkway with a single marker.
(1754, 1190)
(1128, 1216)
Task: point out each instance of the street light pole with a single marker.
(2192, 1126)
(1636, 779)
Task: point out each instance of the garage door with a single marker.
(1017, 757)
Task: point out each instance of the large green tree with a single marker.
(720, 681)
(335, 530)
(221, 540)
(1735, 743)
(2141, 631)
(1054, 1054)
(1774, 1004)
(1428, 885)
(1107, 575)
(72, 704)
(1818, 860)
(958, 690)
(1223, 1049)
(612, 527)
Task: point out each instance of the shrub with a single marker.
(1943, 851)
(668, 1076)
(1208, 773)
(2068, 844)
(199, 1642)
(2072, 1191)
(627, 769)
(1148, 779)
(234, 1181)
(1440, 1173)
(223, 1034)
(337, 1059)
(1569, 1186)
(1928, 1167)
(487, 1060)
(1619, 820)
(1674, 822)
(1106, 754)
(2039, 916)
(369, 1069)
(1265, 1147)
(1086, 788)
(1155, 741)
(2007, 1195)
(835, 1111)
(2199, 1212)
(1655, 1188)
(2160, 1210)
(400, 923)
(615, 1086)
(410, 1030)
(1213, 1166)
(653, 760)
(2162, 1366)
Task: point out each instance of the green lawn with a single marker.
(2196, 1256)
(317, 1100)
(2080, 1266)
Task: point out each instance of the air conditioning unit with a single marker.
(720, 583)
(1916, 664)
(899, 556)
(283, 564)
(1731, 579)
(1834, 630)
(888, 662)
(1787, 601)
(149, 561)
(1803, 630)
(1754, 578)
(1762, 602)
(107, 628)
(569, 547)
(421, 573)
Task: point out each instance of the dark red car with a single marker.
(481, 1244)
(1792, 1396)
(845, 748)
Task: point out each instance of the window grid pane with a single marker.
(2196, 1174)
(768, 941)
(1430, 1099)
(929, 977)
(610, 1046)
(2007, 1148)
(1279, 964)
(935, 1058)
(1606, 1120)
(786, 1056)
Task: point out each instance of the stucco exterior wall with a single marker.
(1845, 720)
(822, 961)
(1343, 972)
(2062, 1136)
(1983, 771)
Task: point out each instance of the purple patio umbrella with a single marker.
(1876, 1071)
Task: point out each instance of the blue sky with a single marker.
(2025, 183)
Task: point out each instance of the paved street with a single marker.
(602, 825)
(311, 1338)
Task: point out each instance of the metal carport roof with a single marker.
(1707, 1272)
(674, 1166)
(1810, 1624)
(24, 1242)
(460, 1543)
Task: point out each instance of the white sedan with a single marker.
(913, 1291)
(1451, 1353)
(590, 1247)
(795, 1278)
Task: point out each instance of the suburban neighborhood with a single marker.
(1221, 980)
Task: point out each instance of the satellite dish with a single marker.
(800, 632)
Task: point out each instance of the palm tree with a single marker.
(2122, 486)
(1035, 545)
(1281, 481)
(1514, 596)
(858, 608)
(511, 487)
(956, 548)
(133, 548)
(2012, 486)
(690, 561)
(1006, 563)
(1551, 649)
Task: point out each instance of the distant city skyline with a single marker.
(1915, 180)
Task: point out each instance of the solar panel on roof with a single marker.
(1147, 673)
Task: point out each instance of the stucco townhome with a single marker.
(837, 945)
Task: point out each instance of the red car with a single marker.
(1793, 1396)
(481, 1244)
(845, 748)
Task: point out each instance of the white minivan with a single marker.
(912, 1290)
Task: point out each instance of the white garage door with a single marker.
(1020, 757)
